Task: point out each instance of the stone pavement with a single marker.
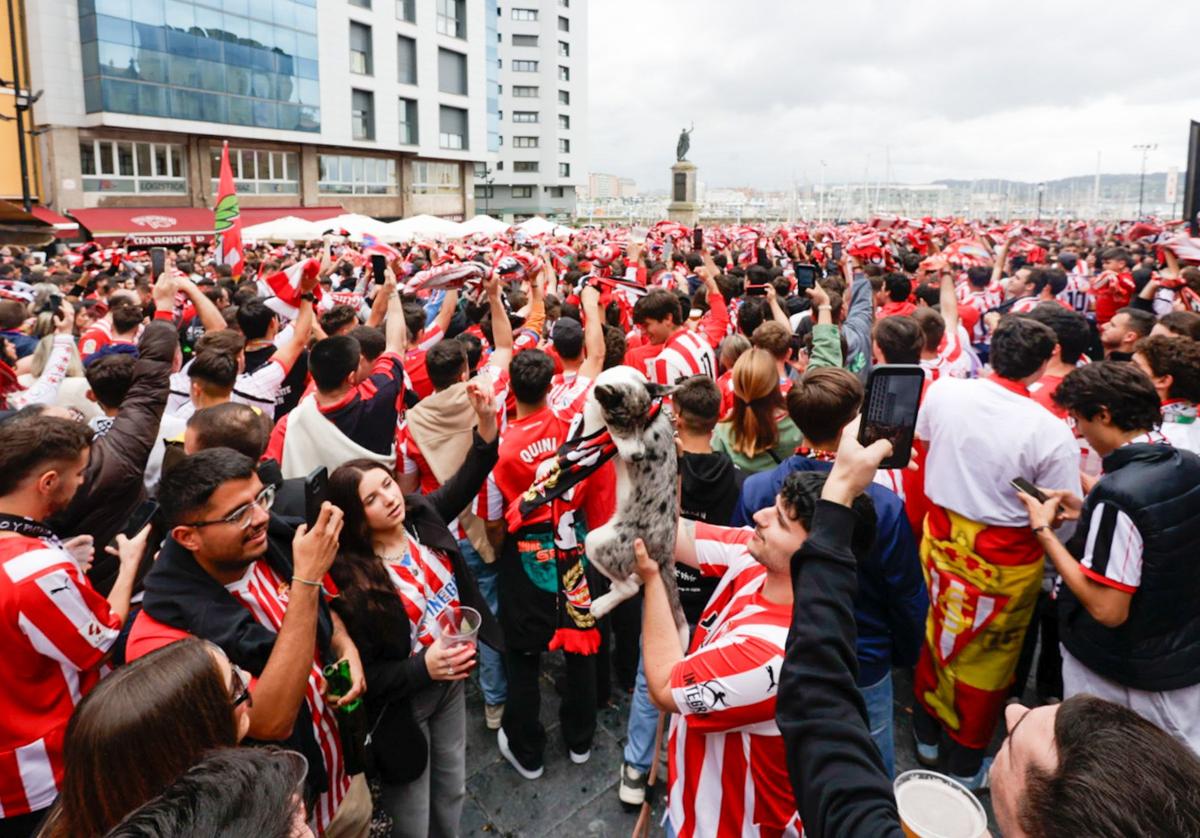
(582, 799)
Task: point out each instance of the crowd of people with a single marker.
(236, 513)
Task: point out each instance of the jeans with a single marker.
(643, 721)
(878, 698)
(432, 804)
(492, 679)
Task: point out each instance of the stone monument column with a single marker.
(683, 207)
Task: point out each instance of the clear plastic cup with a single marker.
(933, 805)
(458, 625)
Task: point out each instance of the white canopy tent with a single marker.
(287, 228)
(538, 226)
(425, 225)
(483, 224)
(358, 225)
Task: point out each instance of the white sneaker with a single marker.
(632, 789)
(493, 714)
(502, 741)
(579, 759)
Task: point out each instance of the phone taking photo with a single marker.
(158, 261)
(889, 410)
(1024, 486)
(698, 238)
(806, 276)
(316, 486)
(378, 267)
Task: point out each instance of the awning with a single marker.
(141, 226)
(20, 227)
(64, 228)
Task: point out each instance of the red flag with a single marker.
(227, 220)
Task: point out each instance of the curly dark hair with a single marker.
(799, 495)
(1177, 357)
(1116, 386)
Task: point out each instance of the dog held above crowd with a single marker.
(258, 531)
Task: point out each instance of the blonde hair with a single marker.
(757, 403)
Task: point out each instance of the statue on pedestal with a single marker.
(685, 143)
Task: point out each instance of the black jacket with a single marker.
(382, 634)
(838, 778)
(181, 594)
(1158, 647)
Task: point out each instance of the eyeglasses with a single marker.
(243, 515)
(239, 688)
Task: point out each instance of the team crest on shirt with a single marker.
(703, 698)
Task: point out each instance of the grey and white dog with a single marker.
(647, 487)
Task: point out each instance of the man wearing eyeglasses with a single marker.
(232, 573)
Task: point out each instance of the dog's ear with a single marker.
(657, 391)
(607, 395)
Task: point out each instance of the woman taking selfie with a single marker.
(141, 728)
(399, 568)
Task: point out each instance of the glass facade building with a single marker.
(238, 62)
(493, 76)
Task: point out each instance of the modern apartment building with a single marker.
(543, 154)
(372, 106)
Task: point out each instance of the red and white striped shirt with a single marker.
(56, 631)
(424, 581)
(684, 354)
(265, 595)
(951, 360)
(567, 394)
(727, 767)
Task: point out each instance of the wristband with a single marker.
(1037, 530)
(307, 582)
(825, 308)
(309, 295)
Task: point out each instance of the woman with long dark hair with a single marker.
(398, 569)
(142, 727)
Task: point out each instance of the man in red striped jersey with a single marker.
(727, 767)
(56, 630)
(684, 352)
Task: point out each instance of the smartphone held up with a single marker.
(889, 410)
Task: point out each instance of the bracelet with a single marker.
(825, 308)
(1037, 530)
(307, 582)
(308, 295)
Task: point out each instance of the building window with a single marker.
(564, 25)
(345, 174)
(525, 142)
(362, 4)
(556, 191)
(525, 116)
(408, 122)
(566, 4)
(134, 168)
(564, 169)
(524, 92)
(452, 72)
(524, 40)
(524, 14)
(360, 49)
(484, 192)
(452, 18)
(525, 165)
(406, 10)
(525, 66)
(564, 146)
(564, 49)
(406, 51)
(522, 191)
(259, 172)
(452, 128)
(564, 73)
(564, 98)
(564, 122)
(436, 178)
(362, 114)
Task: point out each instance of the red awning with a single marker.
(261, 215)
(64, 228)
(140, 226)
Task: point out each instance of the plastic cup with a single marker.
(459, 625)
(933, 805)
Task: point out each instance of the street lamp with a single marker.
(1145, 149)
(1041, 189)
(488, 180)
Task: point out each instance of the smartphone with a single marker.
(808, 247)
(142, 515)
(698, 238)
(756, 290)
(378, 266)
(806, 276)
(316, 485)
(158, 261)
(1023, 485)
(760, 255)
(837, 251)
(890, 409)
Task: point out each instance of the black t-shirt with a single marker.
(709, 493)
(293, 384)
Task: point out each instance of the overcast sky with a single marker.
(1015, 89)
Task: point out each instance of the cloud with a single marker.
(912, 91)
